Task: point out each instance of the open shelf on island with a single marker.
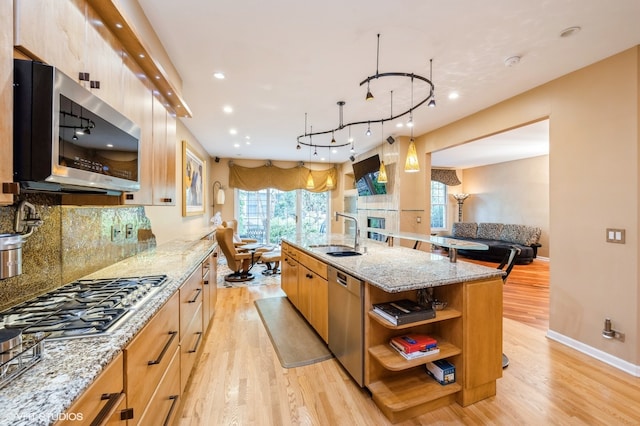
(390, 359)
(403, 395)
(442, 315)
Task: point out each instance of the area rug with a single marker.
(259, 277)
(295, 342)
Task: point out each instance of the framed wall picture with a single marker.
(193, 178)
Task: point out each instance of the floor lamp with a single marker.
(460, 199)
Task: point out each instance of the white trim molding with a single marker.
(607, 358)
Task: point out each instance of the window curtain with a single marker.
(270, 176)
(448, 177)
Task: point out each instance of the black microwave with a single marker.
(68, 140)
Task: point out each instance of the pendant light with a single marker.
(310, 183)
(382, 173)
(411, 164)
(330, 181)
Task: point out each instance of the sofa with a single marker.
(499, 237)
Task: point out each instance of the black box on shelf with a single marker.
(403, 311)
(442, 370)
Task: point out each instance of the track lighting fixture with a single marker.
(430, 90)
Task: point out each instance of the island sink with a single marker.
(335, 250)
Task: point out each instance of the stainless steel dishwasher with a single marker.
(346, 322)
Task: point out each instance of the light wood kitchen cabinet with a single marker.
(6, 99)
(70, 35)
(313, 275)
(163, 407)
(209, 289)
(469, 334)
(164, 155)
(103, 403)
(306, 280)
(191, 324)
(139, 108)
(289, 273)
(147, 357)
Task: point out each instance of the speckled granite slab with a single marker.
(395, 269)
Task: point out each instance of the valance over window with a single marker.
(270, 176)
(448, 177)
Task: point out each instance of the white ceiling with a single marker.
(285, 58)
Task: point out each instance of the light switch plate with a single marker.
(615, 235)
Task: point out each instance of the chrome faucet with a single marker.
(356, 242)
(27, 219)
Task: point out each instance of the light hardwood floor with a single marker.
(239, 381)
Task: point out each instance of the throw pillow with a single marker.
(464, 229)
(518, 234)
(490, 231)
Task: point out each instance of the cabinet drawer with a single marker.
(290, 251)
(313, 264)
(105, 397)
(163, 407)
(190, 300)
(147, 357)
(190, 347)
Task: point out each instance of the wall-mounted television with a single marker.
(365, 173)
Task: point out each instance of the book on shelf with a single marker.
(403, 311)
(417, 354)
(414, 342)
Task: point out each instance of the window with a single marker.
(438, 205)
(269, 215)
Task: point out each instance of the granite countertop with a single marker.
(394, 269)
(68, 367)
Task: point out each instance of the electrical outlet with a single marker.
(418, 219)
(615, 235)
(128, 231)
(115, 232)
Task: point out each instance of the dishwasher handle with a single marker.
(341, 279)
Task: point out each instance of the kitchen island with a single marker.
(468, 330)
(43, 394)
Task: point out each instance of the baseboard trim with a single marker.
(607, 358)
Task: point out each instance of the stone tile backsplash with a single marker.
(72, 242)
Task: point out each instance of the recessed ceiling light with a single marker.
(228, 109)
(109, 145)
(568, 32)
(399, 125)
(141, 55)
(233, 131)
(512, 61)
(219, 75)
(454, 95)
(236, 145)
(119, 25)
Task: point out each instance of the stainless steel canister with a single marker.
(10, 255)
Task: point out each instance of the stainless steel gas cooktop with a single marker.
(83, 307)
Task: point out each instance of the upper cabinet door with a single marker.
(139, 107)
(164, 155)
(52, 32)
(69, 35)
